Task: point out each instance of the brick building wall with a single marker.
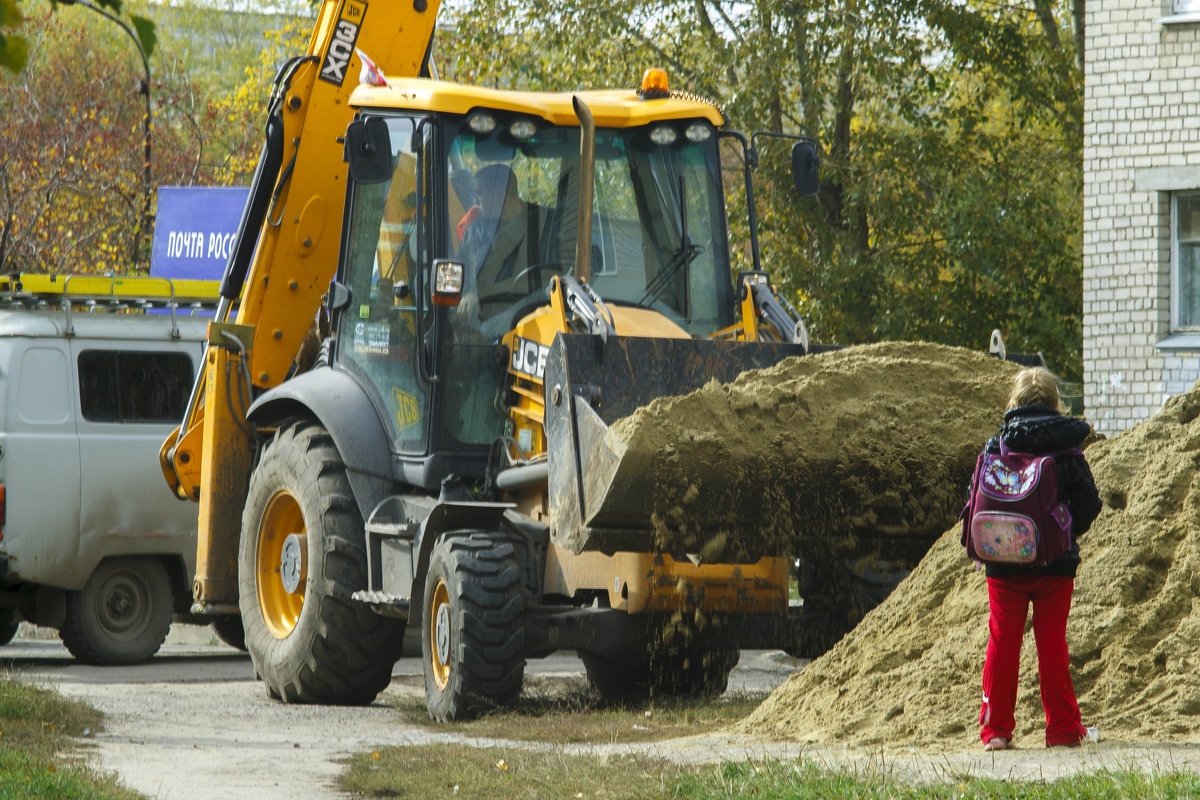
(1141, 148)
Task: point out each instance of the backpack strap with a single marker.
(1070, 451)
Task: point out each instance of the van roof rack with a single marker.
(121, 294)
(106, 291)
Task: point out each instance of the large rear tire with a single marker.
(680, 659)
(838, 593)
(122, 614)
(473, 632)
(302, 555)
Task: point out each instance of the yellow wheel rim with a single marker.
(281, 564)
(439, 635)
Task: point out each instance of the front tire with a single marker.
(473, 633)
(122, 614)
(302, 554)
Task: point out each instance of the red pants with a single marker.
(1009, 600)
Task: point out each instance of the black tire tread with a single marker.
(680, 662)
(488, 663)
(90, 645)
(340, 651)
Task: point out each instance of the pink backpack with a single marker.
(1014, 515)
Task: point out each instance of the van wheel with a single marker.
(302, 554)
(473, 626)
(9, 622)
(122, 614)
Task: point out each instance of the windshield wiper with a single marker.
(681, 258)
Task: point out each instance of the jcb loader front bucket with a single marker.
(609, 494)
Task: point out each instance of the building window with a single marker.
(1184, 6)
(1185, 253)
(128, 386)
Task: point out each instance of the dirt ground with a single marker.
(193, 724)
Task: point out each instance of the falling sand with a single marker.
(831, 453)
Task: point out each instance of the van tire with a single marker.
(314, 644)
(122, 614)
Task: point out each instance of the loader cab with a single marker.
(498, 192)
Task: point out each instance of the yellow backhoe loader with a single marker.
(487, 281)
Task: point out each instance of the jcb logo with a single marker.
(341, 48)
(529, 358)
(408, 413)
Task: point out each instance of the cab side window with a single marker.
(130, 386)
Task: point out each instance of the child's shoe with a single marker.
(1090, 736)
(997, 744)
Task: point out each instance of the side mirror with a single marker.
(369, 150)
(804, 168)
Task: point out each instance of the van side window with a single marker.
(129, 386)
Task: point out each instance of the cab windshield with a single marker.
(658, 224)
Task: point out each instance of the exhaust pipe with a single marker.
(587, 177)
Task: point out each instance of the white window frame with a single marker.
(1176, 278)
(1182, 12)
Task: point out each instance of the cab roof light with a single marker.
(654, 85)
(481, 123)
(523, 129)
(698, 132)
(663, 135)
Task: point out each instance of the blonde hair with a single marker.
(1036, 386)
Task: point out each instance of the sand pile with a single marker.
(909, 673)
(822, 454)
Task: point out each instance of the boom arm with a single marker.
(285, 255)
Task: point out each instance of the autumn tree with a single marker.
(950, 134)
(73, 187)
(14, 46)
(72, 183)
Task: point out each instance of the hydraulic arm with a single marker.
(285, 256)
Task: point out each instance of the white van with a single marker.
(92, 542)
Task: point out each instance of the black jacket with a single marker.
(1040, 430)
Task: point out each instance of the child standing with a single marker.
(1035, 423)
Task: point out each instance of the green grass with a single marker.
(460, 771)
(776, 780)
(38, 755)
(567, 711)
(425, 772)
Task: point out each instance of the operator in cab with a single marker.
(501, 240)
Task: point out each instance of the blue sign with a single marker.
(194, 230)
